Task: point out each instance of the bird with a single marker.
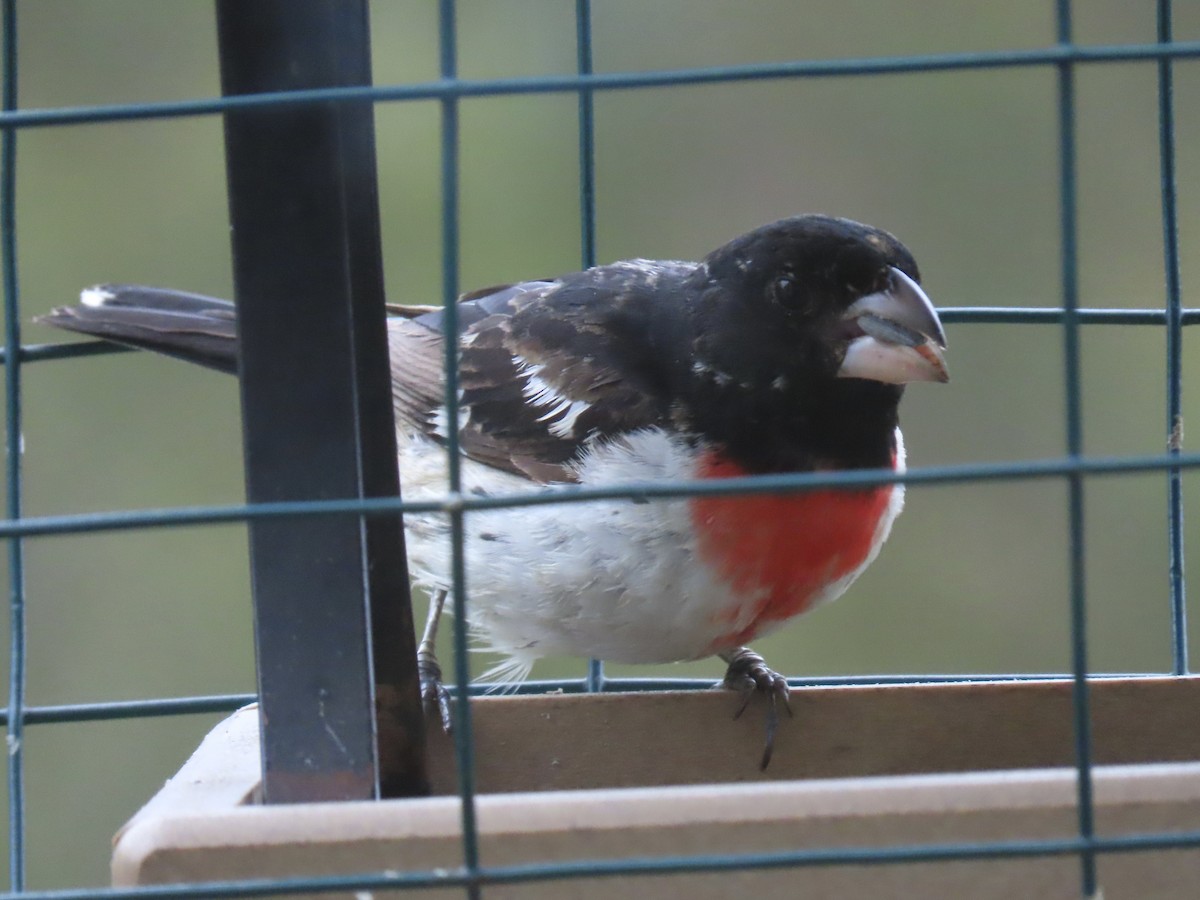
(785, 350)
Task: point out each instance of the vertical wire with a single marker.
(464, 743)
(1074, 429)
(587, 195)
(1166, 150)
(587, 136)
(13, 440)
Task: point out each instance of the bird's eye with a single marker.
(783, 291)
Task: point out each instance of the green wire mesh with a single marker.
(1072, 468)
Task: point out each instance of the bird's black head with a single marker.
(806, 261)
(805, 322)
(793, 285)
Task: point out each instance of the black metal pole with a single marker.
(332, 611)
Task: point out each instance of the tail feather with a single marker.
(186, 326)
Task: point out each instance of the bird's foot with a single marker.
(434, 694)
(748, 674)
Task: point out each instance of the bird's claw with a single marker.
(749, 674)
(435, 696)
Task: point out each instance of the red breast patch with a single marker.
(787, 549)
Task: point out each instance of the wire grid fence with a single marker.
(1072, 467)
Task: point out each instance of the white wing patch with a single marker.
(440, 425)
(439, 419)
(559, 412)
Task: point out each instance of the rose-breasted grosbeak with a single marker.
(785, 350)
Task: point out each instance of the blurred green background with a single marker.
(961, 165)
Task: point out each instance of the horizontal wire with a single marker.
(1014, 315)
(131, 709)
(992, 315)
(73, 350)
(215, 703)
(81, 523)
(443, 89)
(617, 685)
(631, 866)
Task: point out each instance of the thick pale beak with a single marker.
(898, 336)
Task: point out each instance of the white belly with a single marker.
(613, 580)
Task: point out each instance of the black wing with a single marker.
(545, 366)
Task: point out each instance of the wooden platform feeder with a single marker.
(613, 776)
